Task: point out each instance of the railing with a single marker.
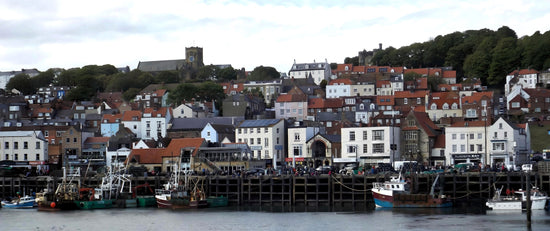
(210, 164)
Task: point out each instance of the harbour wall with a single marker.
(316, 190)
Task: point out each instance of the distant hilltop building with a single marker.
(186, 68)
(5, 76)
(365, 56)
(316, 71)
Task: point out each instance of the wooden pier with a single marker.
(321, 190)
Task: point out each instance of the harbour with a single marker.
(311, 190)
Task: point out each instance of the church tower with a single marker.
(193, 57)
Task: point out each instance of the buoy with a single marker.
(52, 205)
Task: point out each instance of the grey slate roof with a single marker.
(258, 123)
(186, 124)
(162, 65)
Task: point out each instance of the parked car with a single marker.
(527, 167)
(323, 169)
(255, 171)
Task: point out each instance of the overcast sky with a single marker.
(69, 33)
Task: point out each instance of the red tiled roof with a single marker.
(538, 92)
(176, 145)
(476, 97)
(424, 71)
(410, 94)
(380, 83)
(334, 103)
(384, 100)
(128, 115)
(477, 123)
(524, 72)
(97, 140)
(315, 103)
(111, 118)
(229, 87)
(342, 67)
(147, 155)
(155, 113)
(339, 81)
(160, 92)
(449, 74)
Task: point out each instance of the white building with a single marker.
(264, 137)
(154, 123)
(297, 141)
(465, 141)
(26, 148)
(371, 145)
(270, 89)
(317, 71)
(338, 88)
(132, 121)
(509, 143)
(362, 89)
(525, 78)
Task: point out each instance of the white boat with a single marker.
(517, 200)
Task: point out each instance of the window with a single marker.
(515, 104)
(352, 135)
(434, 106)
(15, 145)
(479, 135)
(266, 142)
(15, 157)
(74, 139)
(377, 135)
(445, 106)
(25, 157)
(239, 130)
(259, 140)
(500, 126)
(462, 136)
(365, 136)
(296, 137)
(471, 136)
(418, 101)
(479, 148)
(405, 101)
(472, 148)
(6, 145)
(351, 149)
(251, 130)
(7, 156)
(297, 151)
(258, 130)
(208, 134)
(495, 136)
(462, 148)
(251, 140)
(498, 146)
(454, 106)
(25, 145)
(471, 113)
(505, 134)
(277, 140)
(265, 130)
(277, 131)
(365, 148)
(37, 145)
(453, 136)
(378, 148)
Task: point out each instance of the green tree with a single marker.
(505, 59)
(353, 60)
(166, 77)
(477, 64)
(227, 74)
(323, 84)
(130, 94)
(264, 73)
(433, 82)
(411, 76)
(67, 77)
(209, 91)
(43, 79)
(22, 83)
(207, 72)
(184, 91)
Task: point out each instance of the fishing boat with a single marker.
(517, 200)
(89, 199)
(219, 201)
(144, 200)
(63, 198)
(396, 193)
(26, 202)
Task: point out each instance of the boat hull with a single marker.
(97, 204)
(146, 202)
(383, 200)
(18, 205)
(220, 201)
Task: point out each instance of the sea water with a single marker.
(272, 218)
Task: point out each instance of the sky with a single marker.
(72, 33)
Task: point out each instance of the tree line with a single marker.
(89, 80)
(481, 54)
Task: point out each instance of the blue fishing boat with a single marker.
(26, 202)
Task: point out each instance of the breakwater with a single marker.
(316, 190)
